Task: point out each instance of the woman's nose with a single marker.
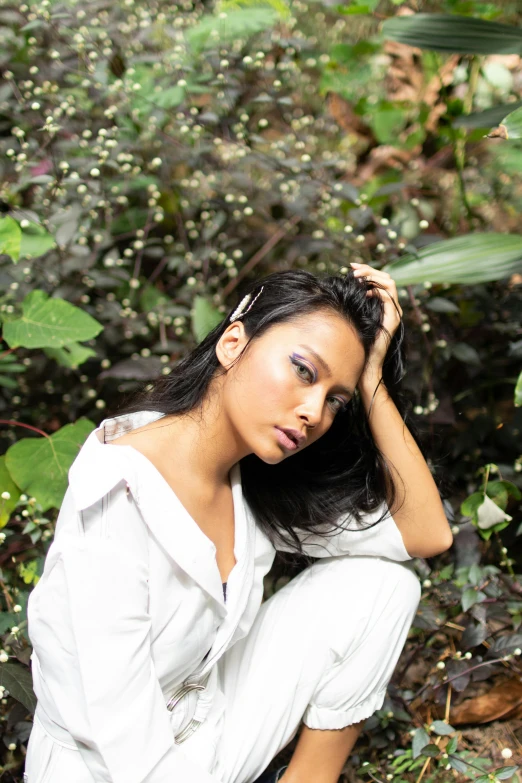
(311, 410)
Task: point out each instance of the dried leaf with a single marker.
(497, 703)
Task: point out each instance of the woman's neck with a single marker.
(203, 441)
(206, 445)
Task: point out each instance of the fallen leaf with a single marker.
(498, 703)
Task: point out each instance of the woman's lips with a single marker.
(285, 441)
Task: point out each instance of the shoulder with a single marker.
(101, 465)
(96, 470)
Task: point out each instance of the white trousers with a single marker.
(321, 651)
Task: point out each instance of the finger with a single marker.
(366, 268)
(383, 285)
(387, 297)
(374, 274)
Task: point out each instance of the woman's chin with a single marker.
(269, 451)
(271, 456)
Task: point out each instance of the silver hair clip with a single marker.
(238, 312)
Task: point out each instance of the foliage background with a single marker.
(154, 155)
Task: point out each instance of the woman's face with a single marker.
(286, 390)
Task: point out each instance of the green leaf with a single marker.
(470, 597)
(487, 118)
(431, 750)
(454, 33)
(204, 317)
(168, 98)
(10, 237)
(40, 466)
(19, 243)
(214, 30)
(7, 485)
(466, 353)
(442, 728)
(29, 572)
(500, 487)
(278, 5)
(451, 747)
(356, 8)
(459, 765)
(420, 740)
(49, 323)
(7, 620)
(35, 241)
(468, 508)
(510, 127)
(18, 681)
(475, 575)
(8, 383)
(518, 391)
(441, 305)
(71, 355)
(470, 259)
(151, 298)
(504, 773)
(352, 10)
(387, 122)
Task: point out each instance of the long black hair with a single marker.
(342, 475)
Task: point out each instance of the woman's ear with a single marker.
(231, 344)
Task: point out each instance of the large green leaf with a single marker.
(505, 773)
(510, 127)
(35, 241)
(71, 355)
(40, 466)
(20, 243)
(49, 323)
(18, 681)
(204, 317)
(487, 118)
(7, 506)
(471, 259)
(442, 728)
(230, 25)
(420, 740)
(454, 33)
(10, 237)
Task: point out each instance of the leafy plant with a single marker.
(153, 157)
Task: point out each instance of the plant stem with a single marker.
(459, 138)
(27, 426)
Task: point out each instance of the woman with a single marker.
(154, 659)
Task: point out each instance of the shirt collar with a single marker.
(98, 468)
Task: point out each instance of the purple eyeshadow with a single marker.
(307, 363)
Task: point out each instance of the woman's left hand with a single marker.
(391, 319)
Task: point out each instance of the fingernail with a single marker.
(354, 263)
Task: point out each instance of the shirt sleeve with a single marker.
(382, 540)
(107, 692)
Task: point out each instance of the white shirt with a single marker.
(130, 602)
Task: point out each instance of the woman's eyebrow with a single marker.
(326, 367)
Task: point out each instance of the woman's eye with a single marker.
(338, 405)
(303, 371)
